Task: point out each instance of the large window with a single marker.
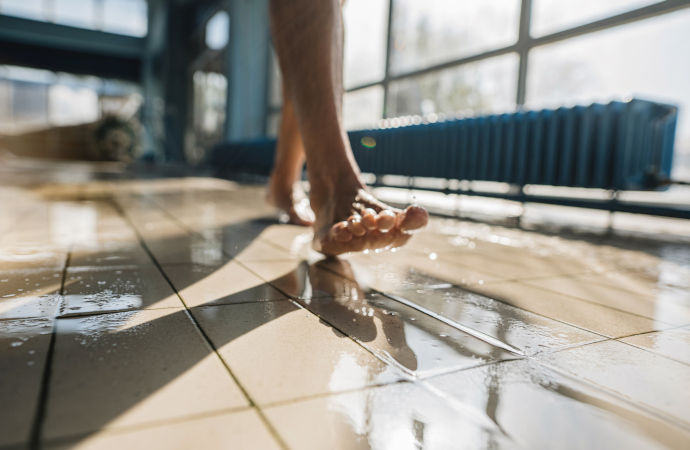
(451, 57)
(128, 17)
(32, 99)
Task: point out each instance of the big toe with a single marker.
(413, 218)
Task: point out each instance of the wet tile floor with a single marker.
(178, 313)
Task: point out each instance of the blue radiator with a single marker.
(619, 145)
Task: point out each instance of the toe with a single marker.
(413, 218)
(340, 232)
(385, 220)
(355, 226)
(369, 219)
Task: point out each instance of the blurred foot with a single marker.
(291, 199)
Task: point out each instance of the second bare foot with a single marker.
(292, 200)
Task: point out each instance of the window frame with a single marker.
(522, 47)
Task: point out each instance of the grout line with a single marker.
(470, 291)
(204, 335)
(458, 326)
(292, 401)
(295, 300)
(37, 427)
(648, 350)
(661, 415)
(119, 311)
(592, 302)
(526, 281)
(606, 338)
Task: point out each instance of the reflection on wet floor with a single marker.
(165, 313)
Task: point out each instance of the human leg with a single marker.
(284, 190)
(308, 37)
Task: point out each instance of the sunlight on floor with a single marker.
(178, 313)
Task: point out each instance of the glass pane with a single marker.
(5, 105)
(433, 31)
(29, 9)
(483, 87)
(29, 105)
(71, 105)
(365, 40)
(273, 124)
(275, 89)
(647, 59)
(125, 17)
(79, 13)
(362, 108)
(217, 30)
(549, 16)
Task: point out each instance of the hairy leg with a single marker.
(308, 37)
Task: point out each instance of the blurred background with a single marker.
(167, 81)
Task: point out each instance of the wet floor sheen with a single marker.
(178, 313)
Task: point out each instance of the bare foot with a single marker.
(292, 200)
(353, 220)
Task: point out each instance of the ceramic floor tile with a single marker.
(638, 375)
(400, 416)
(109, 254)
(501, 393)
(188, 248)
(259, 250)
(19, 256)
(289, 276)
(40, 306)
(516, 327)
(29, 293)
(25, 283)
(289, 237)
(227, 284)
(508, 270)
(240, 430)
(675, 280)
(415, 342)
(570, 310)
(386, 272)
(245, 244)
(674, 344)
(598, 290)
(116, 289)
(419, 344)
(133, 368)
(281, 352)
(23, 349)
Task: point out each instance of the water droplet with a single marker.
(30, 363)
(16, 344)
(433, 256)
